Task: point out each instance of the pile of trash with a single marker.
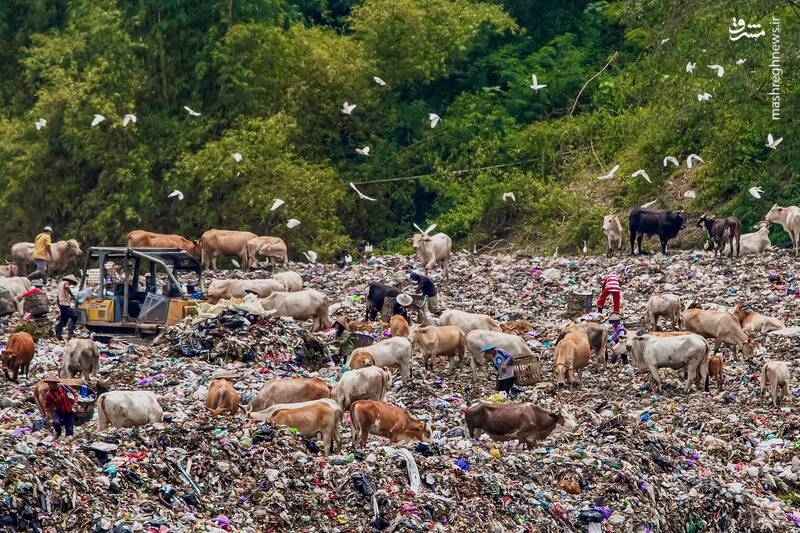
(638, 461)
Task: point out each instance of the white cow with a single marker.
(433, 250)
(664, 305)
(467, 322)
(612, 229)
(17, 286)
(776, 375)
(126, 409)
(370, 383)
(291, 280)
(300, 305)
(789, 218)
(389, 353)
(651, 352)
(754, 243)
(237, 288)
(477, 338)
(81, 358)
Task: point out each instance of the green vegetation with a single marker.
(270, 77)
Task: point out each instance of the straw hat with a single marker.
(404, 299)
(51, 379)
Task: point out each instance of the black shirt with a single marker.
(425, 286)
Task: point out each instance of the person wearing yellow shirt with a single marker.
(41, 254)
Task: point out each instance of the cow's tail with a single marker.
(326, 320)
(386, 381)
(218, 411)
(102, 419)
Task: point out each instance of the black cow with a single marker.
(376, 293)
(665, 224)
(721, 230)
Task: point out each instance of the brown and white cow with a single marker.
(317, 418)
(18, 355)
(360, 360)
(81, 358)
(526, 423)
(440, 340)
(370, 383)
(394, 352)
(724, 328)
(289, 390)
(752, 321)
(222, 397)
(368, 417)
(148, 239)
(227, 243)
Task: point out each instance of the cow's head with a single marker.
(635, 347)
(74, 248)
(419, 239)
(680, 216)
(608, 222)
(102, 386)
(762, 225)
(702, 220)
(424, 430)
(775, 215)
(747, 348)
(565, 421)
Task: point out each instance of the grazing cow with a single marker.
(370, 383)
(398, 326)
(81, 358)
(572, 355)
(315, 418)
(376, 294)
(300, 305)
(433, 250)
(368, 417)
(291, 280)
(41, 388)
(476, 339)
(715, 366)
(724, 328)
(223, 242)
(663, 305)
(789, 218)
(127, 409)
(289, 390)
(148, 239)
(440, 340)
(612, 229)
(18, 355)
(665, 224)
(651, 352)
(358, 360)
(597, 335)
(224, 289)
(273, 248)
(222, 397)
(393, 352)
(17, 287)
(752, 321)
(723, 231)
(525, 422)
(9, 270)
(64, 255)
(754, 243)
(776, 375)
(466, 322)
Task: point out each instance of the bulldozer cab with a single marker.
(137, 289)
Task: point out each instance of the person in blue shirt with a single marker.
(502, 362)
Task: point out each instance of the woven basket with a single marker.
(527, 369)
(579, 303)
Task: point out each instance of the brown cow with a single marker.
(440, 340)
(229, 243)
(572, 354)
(526, 423)
(41, 388)
(368, 417)
(360, 359)
(147, 239)
(598, 338)
(715, 365)
(273, 248)
(724, 328)
(18, 355)
(289, 390)
(722, 231)
(398, 326)
(222, 397)
(311, 419)
(752, 321)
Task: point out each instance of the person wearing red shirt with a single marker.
(59, 402)
(612, 286)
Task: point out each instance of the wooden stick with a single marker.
(613, 57)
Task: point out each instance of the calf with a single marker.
(370, 383)
(440, 340)
(394, 352)
(301, 305)
(597, 335)
(572, 354)
(776, 375)
(664, 305)
(751, 321)
(18, 355)
(715, 365)
(651, 352)
(467, 322)
(526, 423)
(612, 229)
(81, 358)
(317, 418)
(222, 397)
(41, 388)
(371, 417)
(398, 326)
(289, 390)
(476, 339)
(665, 224)
(360, 360)
(126, 409)
(724, 328)
(723, 231)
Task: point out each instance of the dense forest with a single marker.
(269, 79)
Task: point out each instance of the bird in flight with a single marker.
(643, 174)
(191, 111)
(671, 159)
(276, 204)
(379, 81)
(292, 223)
(703, 97)
(772, 142)
(719, 70)
(361, 194)
(347, 108)
(363, 151)
(427, 231)
(536, 86)
(311, 255)
(434, 118)
(97, 120)
(176, 194)
(237, 156)
(41, 123)
(127, 119)
(610, 174)
(755, 192)
(648, 204)
(692, 157)
(507, 195)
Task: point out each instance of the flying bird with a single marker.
(361, 194)
(507, 195)
(347, 109)
(648, 204)
(379, 81)
(276, 204)
(755, 192)
(610, 174)
(97, 120)
(536, 85)
(720, 70)
(430, 229)
(292, 223)
(128, 118)
(773, 143)
(363, 151)
(665, 40)
(690, 158)
(671, 159)
(703, 97)
(237, 156)
(690, 67)
(41, 123)
(191, 111)
(740, 61)
(311, 256)
(434, 118)
(176, 194)
(689, 194)
(643, 174)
